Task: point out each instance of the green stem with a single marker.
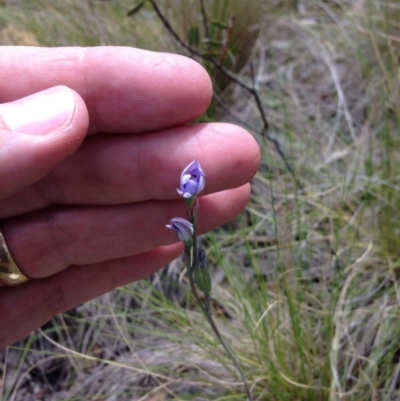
(193, 251)
(207, 311)
(218, 334)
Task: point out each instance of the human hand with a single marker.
(88, 175)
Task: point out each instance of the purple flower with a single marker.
(192, 180)
(182, 227)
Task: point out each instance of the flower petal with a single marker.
(183, 228)
(192, 180)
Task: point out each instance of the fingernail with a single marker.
(42, 113)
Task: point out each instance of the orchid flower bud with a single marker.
(202, 276)
(183, 228)
(192, 180)
(201, 258)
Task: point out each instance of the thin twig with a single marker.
(250, 88)
(195, 52)
(205, 19)
(266, 126)
(258, 100)
(228, 111)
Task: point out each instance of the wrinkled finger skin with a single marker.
(97, 220)
(126, 90)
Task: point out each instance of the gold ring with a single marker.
(10, 274)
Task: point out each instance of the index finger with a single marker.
(125, 89)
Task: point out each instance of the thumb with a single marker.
(37, 133)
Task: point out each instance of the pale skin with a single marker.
(84, 207)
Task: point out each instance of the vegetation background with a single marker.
(306, 280)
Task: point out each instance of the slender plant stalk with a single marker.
(226, 347)
(205, 305)
(205, 19)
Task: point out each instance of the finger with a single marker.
(37, 133)
(45, 243)
(70, 288)
(125, 89)
(115, 170)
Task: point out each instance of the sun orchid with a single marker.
(182, 227)
(192, 180)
